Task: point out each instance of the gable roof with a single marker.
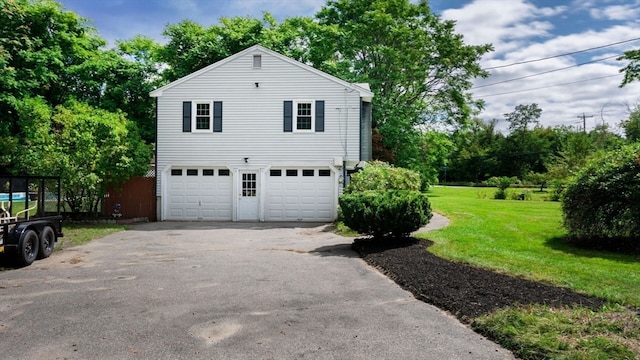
(363, 89)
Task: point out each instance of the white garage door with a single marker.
(300, 194)
(199, 194)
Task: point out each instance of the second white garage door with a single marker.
(300, 194)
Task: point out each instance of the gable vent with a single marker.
(257, 61)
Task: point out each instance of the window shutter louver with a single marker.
(217, 116)
(319, 115)
(186, 116)
(288, 116)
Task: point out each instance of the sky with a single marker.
(572, 86)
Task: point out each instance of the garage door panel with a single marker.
(300, 198)
(199, 197)
(191, 199)
(177, 212)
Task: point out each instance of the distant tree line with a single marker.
(529, 151)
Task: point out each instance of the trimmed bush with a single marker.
(380, 176)
(502, 183)
(385, 213)
(602, 203)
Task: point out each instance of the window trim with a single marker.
(194, 115)
(294, 120)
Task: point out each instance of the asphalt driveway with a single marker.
(190, 290)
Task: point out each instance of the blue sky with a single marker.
(520, 31)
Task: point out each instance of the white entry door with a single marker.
(248, 201)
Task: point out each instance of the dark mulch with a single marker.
(463, 290)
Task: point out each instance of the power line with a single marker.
(548, 86)
(544, 72)
(560, 55)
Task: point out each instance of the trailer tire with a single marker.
(47, 242)
(28, 248)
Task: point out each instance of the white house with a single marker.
(258, 137)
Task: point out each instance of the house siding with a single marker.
(252, 117)
(253, 137)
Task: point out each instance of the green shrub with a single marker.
(523, 194)
(602, 202)
(502, 183)
(383, 213)
(557, 188)
(500, 194)
(380, 176)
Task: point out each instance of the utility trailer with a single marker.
(30, 217)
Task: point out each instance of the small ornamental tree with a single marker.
(601, 205)
(383, 201)
(502, 183)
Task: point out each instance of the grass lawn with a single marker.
(524, 238)
(78, 234)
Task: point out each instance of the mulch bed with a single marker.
(463, 290)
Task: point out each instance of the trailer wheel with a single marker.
(29, 248)
(47, 242)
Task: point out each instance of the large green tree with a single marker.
(39, 44)
(475, 156)
(63, 99)
(89, 148)
(417, 66)
(120, 80)
(191, 46)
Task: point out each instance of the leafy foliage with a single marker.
(191, 46)
(88, 147)
(385, 213)
(632, 70)
(380, 176)
(631, 126)
(602, 203)
(418, 67)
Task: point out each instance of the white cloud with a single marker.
(520, 31)
(617, 12)
(495, 21)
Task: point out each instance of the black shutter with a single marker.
(186, 116)
(217, 116)
(288, 116)
(319, 115)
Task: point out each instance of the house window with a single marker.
(207, 172)
(202, 116)
(304, 116)
(275, 172)
(249, 182)
(192, 172)
(176, 172)
(292, 172)
(309, 172)
(223, 172)
(257, 61)
(324, 172)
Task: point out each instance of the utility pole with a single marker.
(584, 121)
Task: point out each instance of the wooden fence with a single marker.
(136, 197)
